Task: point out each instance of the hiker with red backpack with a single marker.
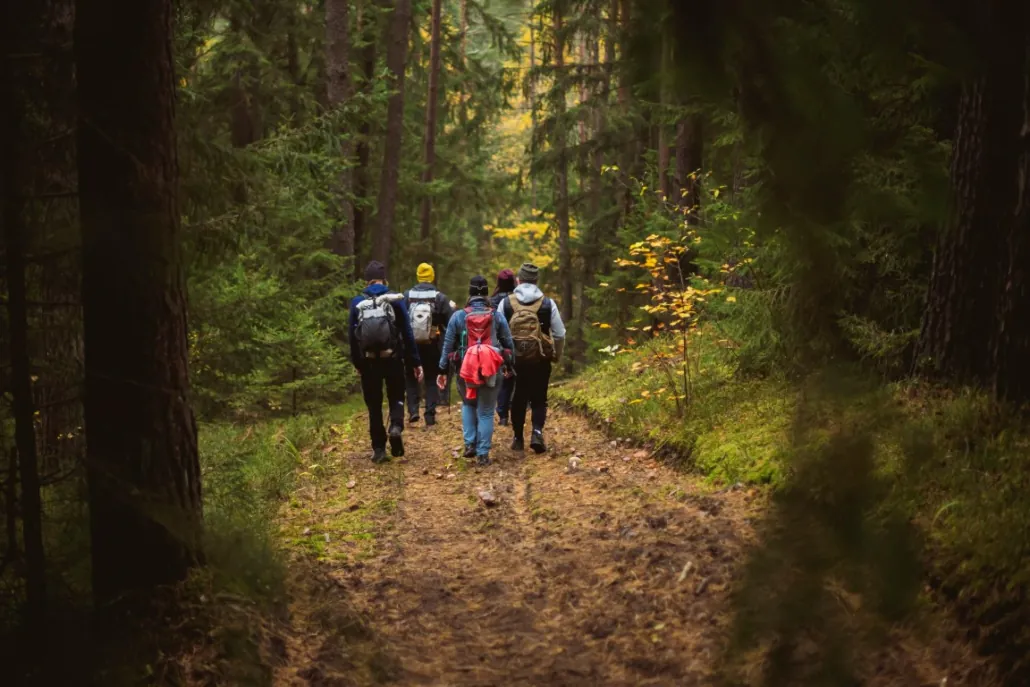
(380, 341)
(430, 311)
(539, 336)
(478, 342)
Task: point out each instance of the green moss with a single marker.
(730, 429)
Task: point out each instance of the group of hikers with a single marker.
(499, 347)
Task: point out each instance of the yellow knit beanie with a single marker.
(425, 273)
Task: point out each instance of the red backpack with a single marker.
(477, 345)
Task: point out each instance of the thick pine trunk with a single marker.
(337, 29)
(16, 172)
(396, 53)
(961, 321)
(665, 99)
(363, 151)
(689, 149)
(532, 108)
(463, 28)
(561, 201)
(624, 96)
(143, 469)
(432, 98)
(1011, 349)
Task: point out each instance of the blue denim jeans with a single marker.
(477, 417)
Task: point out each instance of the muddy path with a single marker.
(590, 565)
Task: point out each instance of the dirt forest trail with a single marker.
(593, 565)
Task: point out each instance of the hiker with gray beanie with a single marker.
(539, 336)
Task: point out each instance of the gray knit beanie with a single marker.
(529, 273)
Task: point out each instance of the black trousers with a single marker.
(530, 390)
(504, 397)
(375, 373)
(430, 355)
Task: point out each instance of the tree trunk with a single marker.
(363, 150)
(396, 52)
(665, 99)
(337, 25)
(143, 469)
(20, 22)
(464, 28)
(689, 149)
(532, 108)
(430, 135)
(561, 203)
(961, 319)
(1011, 346)
(624, 97)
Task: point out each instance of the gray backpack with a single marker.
(421, 308)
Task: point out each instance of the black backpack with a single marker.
(376, 329)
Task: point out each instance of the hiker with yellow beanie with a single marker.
(430, 311)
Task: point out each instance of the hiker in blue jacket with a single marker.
(381, 341)
(477, 413)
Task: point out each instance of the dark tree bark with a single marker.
(396, 54)
(337, 25)
(561, 200)
(464, 28)
(1011, 346)
(143, 469)
(21, 23)
(532, 108)
(624, 96)
(432, 99)
(689, 151)
(961, 320)
(367, 22)
(665, 98)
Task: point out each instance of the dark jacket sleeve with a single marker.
(352, 325)
(410, 349)
(444, 311)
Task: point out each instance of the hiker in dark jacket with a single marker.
(477, 404)
(380, 340)
(430, 311)
(539, 335)
(505, 287)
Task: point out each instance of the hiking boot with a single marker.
(470, 450)
(379, 455)
(413, 419)
(536, 442)
(518, 444)
(502, 421)
(396, 442)
(482, 461)
(430, 420)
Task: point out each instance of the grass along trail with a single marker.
(590, 565)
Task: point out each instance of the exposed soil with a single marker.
(597, 565)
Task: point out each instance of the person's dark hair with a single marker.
(505, 282)
(478, 287)
(375, 271)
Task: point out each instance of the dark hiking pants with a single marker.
(430, 355)
(504, 397)
(375, 373)
(530, 390)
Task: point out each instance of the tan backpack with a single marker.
(531, 344)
